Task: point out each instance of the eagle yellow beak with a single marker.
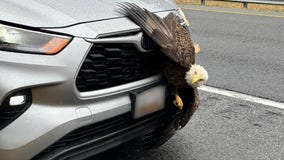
(195, 79)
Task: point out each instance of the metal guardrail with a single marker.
(245, 2)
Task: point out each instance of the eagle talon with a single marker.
(196, 48)
(178, 102)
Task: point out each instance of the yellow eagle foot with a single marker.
(178, 102)
(196, 48)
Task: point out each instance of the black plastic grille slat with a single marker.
(109, 65)
(73, 137)
(93, 130)
(97, 130)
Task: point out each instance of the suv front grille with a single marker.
(109, 65)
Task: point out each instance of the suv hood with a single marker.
(62, 13)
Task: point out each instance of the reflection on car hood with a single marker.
(61, 13)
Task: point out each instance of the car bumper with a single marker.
(102, 136)
(46, 121)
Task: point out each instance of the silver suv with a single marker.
(77, 78)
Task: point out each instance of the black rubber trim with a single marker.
(100, 144)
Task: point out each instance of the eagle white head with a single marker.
(196, 76)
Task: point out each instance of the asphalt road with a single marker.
(222, 129)
(243, 53)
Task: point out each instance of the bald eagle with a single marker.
(175, 42)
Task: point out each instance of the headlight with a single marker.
(22, 40)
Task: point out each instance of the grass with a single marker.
(188, 1)
(224, 4)
(277, 8)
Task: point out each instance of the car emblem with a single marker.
(146, 42)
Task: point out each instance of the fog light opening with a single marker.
(13, 106)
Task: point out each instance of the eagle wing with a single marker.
(174, 40)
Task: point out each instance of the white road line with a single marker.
(242, 96)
